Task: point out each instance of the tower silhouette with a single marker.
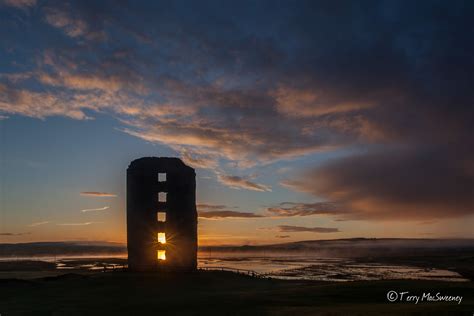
(161, 215)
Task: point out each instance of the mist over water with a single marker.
(321, 260)
(280, 265)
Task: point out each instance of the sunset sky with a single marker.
(303, 119)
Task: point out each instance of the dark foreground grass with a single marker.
(219, 293)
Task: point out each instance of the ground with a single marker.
(219, 293)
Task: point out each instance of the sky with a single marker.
(303, 119)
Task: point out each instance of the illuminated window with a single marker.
(162, 197)
(161, 254)
(162, 238)
(161, 177)
(161, 216)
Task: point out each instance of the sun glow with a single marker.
(161, 254)
(162, 238)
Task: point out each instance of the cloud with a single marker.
(20, 4)
(95, 209)
(220, 211)
(402, 183)
(284, 209)
(208, 206)
(71, 23)
(37, 104)
(38, 223)
(218, 90)
(227, 214)
(77, 224)
(300, 229)
(289, 209)
(98, 194)
(311, 103)
(196, 160)
(14, 234)
(218, 118)
(237, 182)
(246, 143)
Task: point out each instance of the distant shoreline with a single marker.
(330, 247)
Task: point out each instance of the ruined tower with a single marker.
(161, 215)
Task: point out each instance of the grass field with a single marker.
(219, 293)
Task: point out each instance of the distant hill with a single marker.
(360, 242)
(359, 247)
(377, 242)
(66, 248)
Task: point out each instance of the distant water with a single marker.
(326, 269)
(329, 269)
(275, 265)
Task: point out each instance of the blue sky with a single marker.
(303, 120)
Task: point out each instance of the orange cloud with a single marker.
(226, 214)
(300, 229)
(237, 182)
(98, 194)
(95, 209)
(310, 102)
(77, 224)
(38, 223)
(290, 209)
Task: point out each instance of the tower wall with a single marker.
(180, 226)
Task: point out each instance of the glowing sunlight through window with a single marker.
(162, 238)
(161, 254)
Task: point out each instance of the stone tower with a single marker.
(161, 215)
